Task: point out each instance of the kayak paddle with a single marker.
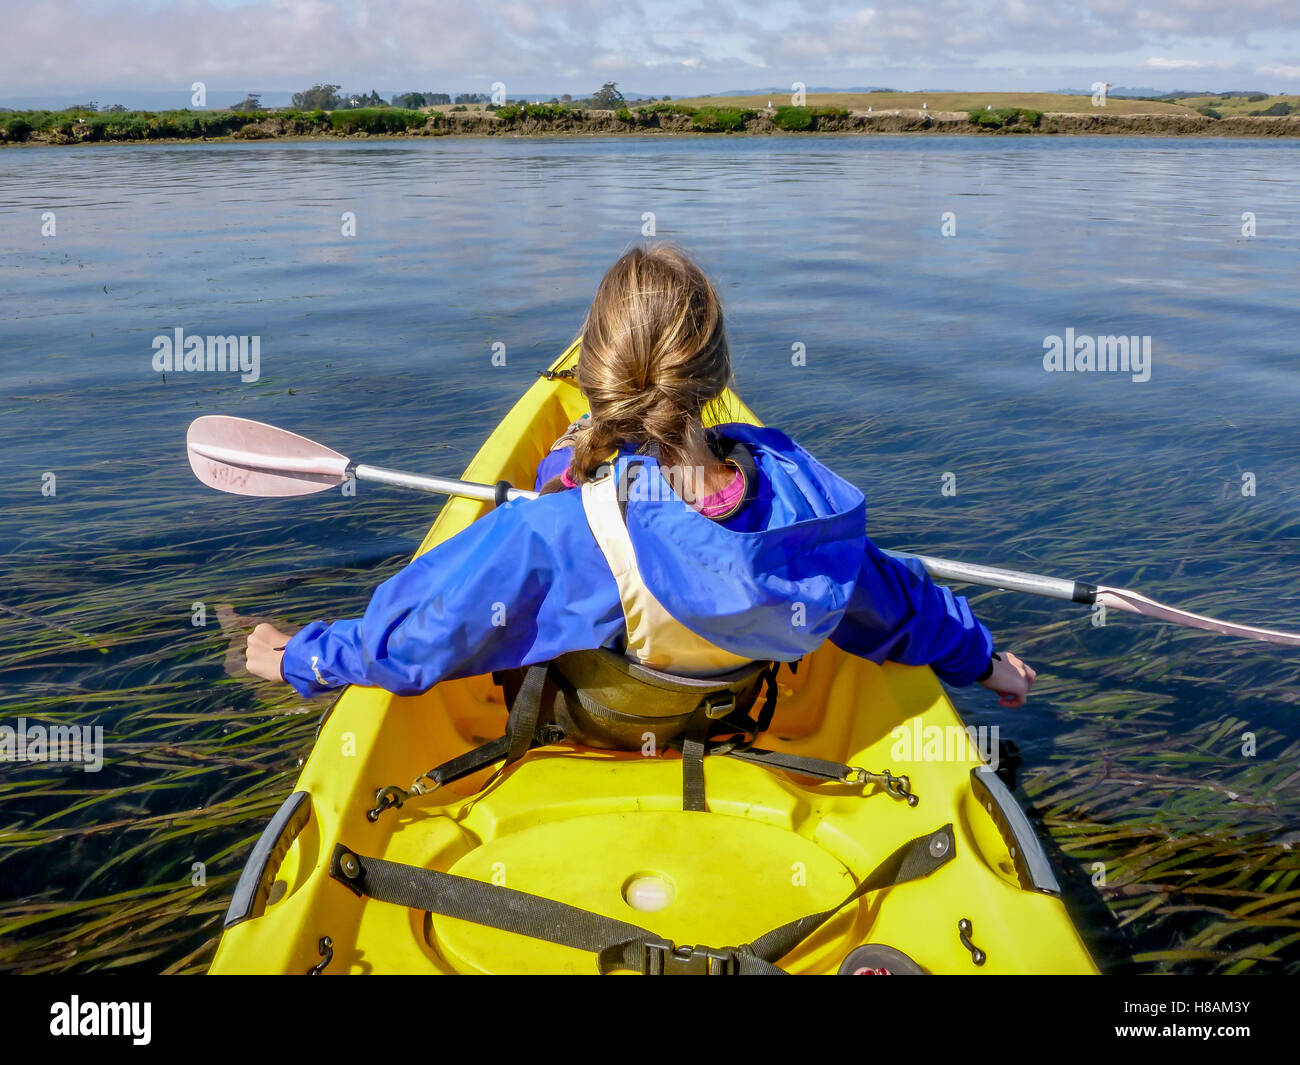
(252, 459)
(248, 458)
(942, 569)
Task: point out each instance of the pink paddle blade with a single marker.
(1136, 603)
(248, 458)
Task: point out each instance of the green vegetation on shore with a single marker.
(377, 120)
(1015, 119)
(987, 113)
(1237, 105)
(719, 119)
(139, 125)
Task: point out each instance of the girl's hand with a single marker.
(1011, 679)
(266, 651)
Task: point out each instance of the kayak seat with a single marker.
(603, 700)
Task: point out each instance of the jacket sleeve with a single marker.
(898, 614)
(520, 585)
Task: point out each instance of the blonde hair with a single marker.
(654, 354)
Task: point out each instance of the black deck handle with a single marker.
(254, 887)
(1032, 867)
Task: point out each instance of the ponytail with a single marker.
(654, 354)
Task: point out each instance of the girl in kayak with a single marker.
(686, 549)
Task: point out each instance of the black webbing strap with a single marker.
(769, 699)
(522, 734)
(618, 944)
(794, 763)
(482, 903)
(705, 725)
(916, 858)
(470, 762)
(693, 744)
(898, 787)
(521, 727)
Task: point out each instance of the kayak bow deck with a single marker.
(604, 830)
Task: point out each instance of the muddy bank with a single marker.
(518, 122)
(1175, 125)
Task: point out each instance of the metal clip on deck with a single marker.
(389, 798)
(900, 787)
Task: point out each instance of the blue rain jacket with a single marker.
(527, 582)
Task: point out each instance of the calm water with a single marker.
(923, 358)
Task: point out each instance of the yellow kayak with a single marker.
(604, 832)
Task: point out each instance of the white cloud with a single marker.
(1156, 62)
(82, 45)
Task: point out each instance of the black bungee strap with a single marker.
(618, 945)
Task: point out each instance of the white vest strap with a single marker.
(654, 637)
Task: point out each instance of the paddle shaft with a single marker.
(944, 569)
(490, 493)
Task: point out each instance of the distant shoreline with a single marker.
(22, 128)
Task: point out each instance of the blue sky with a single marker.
(681, 47)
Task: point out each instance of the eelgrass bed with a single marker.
(1179, 849)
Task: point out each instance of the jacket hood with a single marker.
(774, 582)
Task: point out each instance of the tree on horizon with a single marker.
(608, 98)
(318, 97)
